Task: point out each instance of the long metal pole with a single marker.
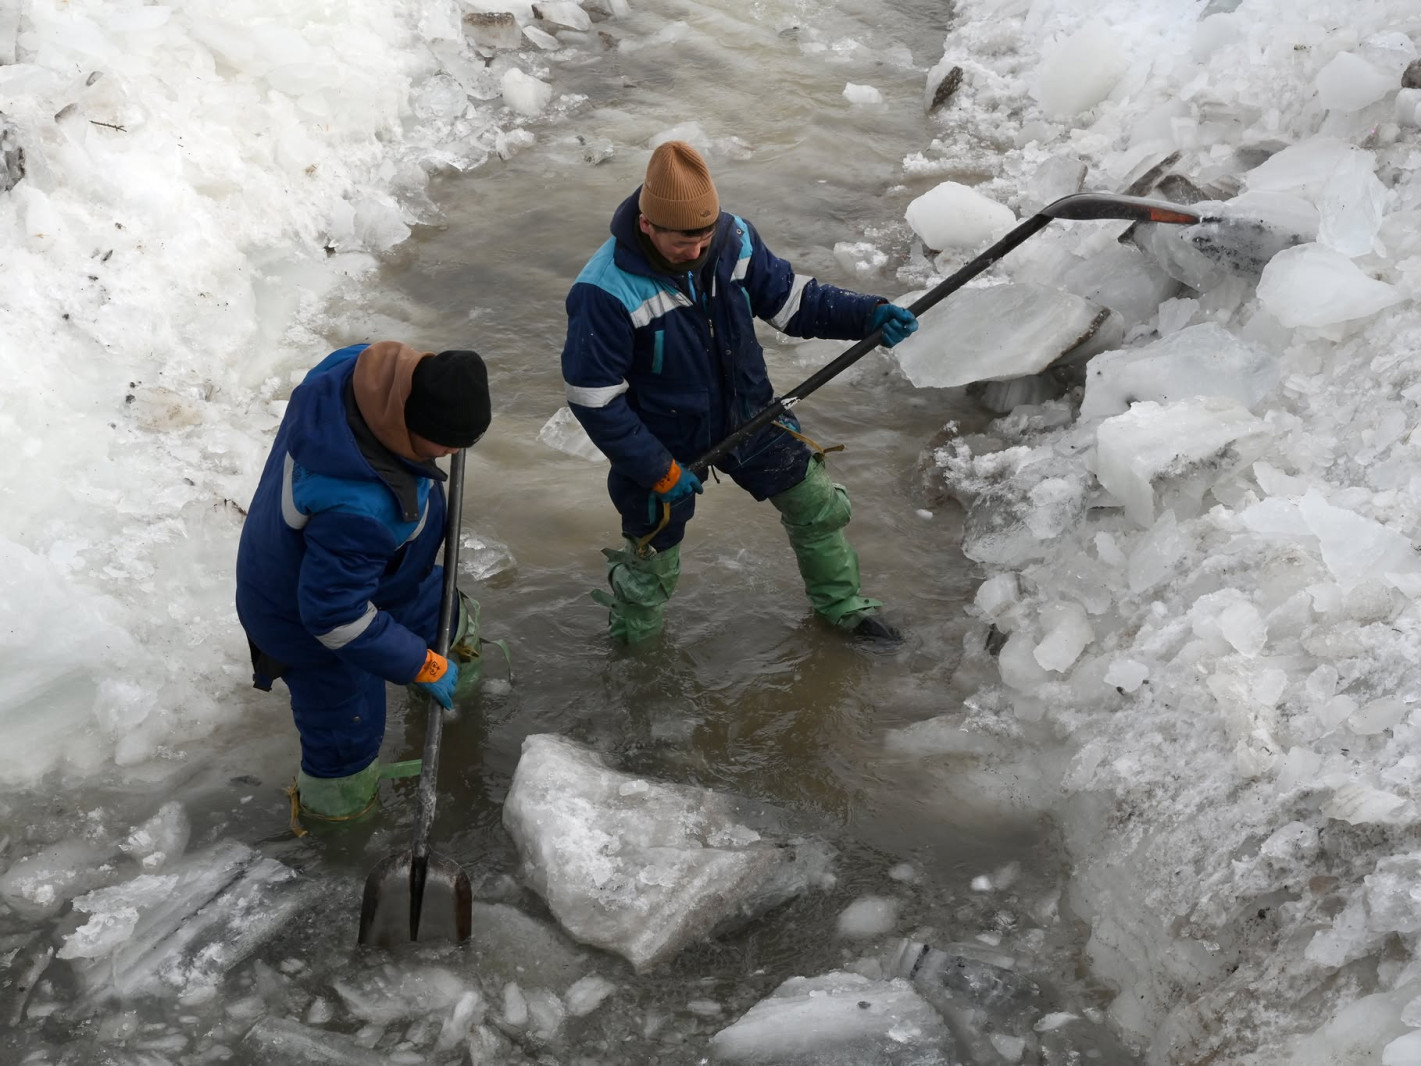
(1083, 205)
(434, 717)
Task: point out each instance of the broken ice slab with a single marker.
(1202, 360)
(286, 1041)
(564, 433)
(215, 908)
(643, 868)
(37, 886)
(965, 976)
(493, 31)
(1170, 455)
(1235, 238)
(1315, 286)
(837, 1019)
(1000, 332)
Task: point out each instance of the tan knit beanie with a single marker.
(678, 192)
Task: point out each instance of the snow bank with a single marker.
(187, 187)
(1207, 577)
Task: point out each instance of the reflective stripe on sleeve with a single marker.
(293, 518)
(791, 304)
(599, 396)
(340, 636)
(658, 305)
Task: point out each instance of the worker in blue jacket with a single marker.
(661, 362)
(338, 576)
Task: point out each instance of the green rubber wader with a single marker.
(464, 647)
(341, 799)
(814, 514)
(641, 587)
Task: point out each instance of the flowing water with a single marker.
(746, 691)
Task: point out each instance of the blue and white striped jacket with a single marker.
(340, 533)
(660, 366)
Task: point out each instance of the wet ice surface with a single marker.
(244, 958)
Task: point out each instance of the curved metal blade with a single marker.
(445, 913)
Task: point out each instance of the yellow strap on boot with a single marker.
(641, 543)
(294, 795)
(813, 444)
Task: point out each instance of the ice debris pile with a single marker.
(1201, 589)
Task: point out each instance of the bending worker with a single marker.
(338, 576)
(661, 363)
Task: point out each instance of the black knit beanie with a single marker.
(448, 402)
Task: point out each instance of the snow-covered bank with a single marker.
(185, 188)
(1225, 639)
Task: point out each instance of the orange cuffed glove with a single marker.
(677, 484)
(438, 676)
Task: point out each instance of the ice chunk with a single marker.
(1068, 631)
(481, 558)
(524, 93)
(1022, 518)
(217, 907)
(1377, 716)
(1172, 455)
(862, 94)
(562, 15)
(1079, 72)
(1202, 360)
(860, 257)
(587, 994)
(1233, 239)
(1353, 201)
(283, 1040)
(388, 992)
(964, 978)
(1017, 664)
(1302, 168)
(868, 916)
(1126, 674)
(39, 885)
(515, 1005)
(114, 915)
(1356, 548)
(1155, 555)
(1350, 83)
(997, 595)
(1243, 627)
(1361, 805)
(564, 433)
(1405, 1050)
(493, 30)
(837, 1019)
(953, 215)
(647, 873)
(998, 332)
(1122, 278)
(1390, 52)
(161, 839)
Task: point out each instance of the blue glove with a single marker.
(437, 677)
(677, 484)
(896, 323)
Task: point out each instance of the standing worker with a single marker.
(338, 577)
(661, 363)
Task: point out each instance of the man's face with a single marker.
(427, 449)
(676, 246)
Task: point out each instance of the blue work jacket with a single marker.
(661, 365)
(341, 531)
